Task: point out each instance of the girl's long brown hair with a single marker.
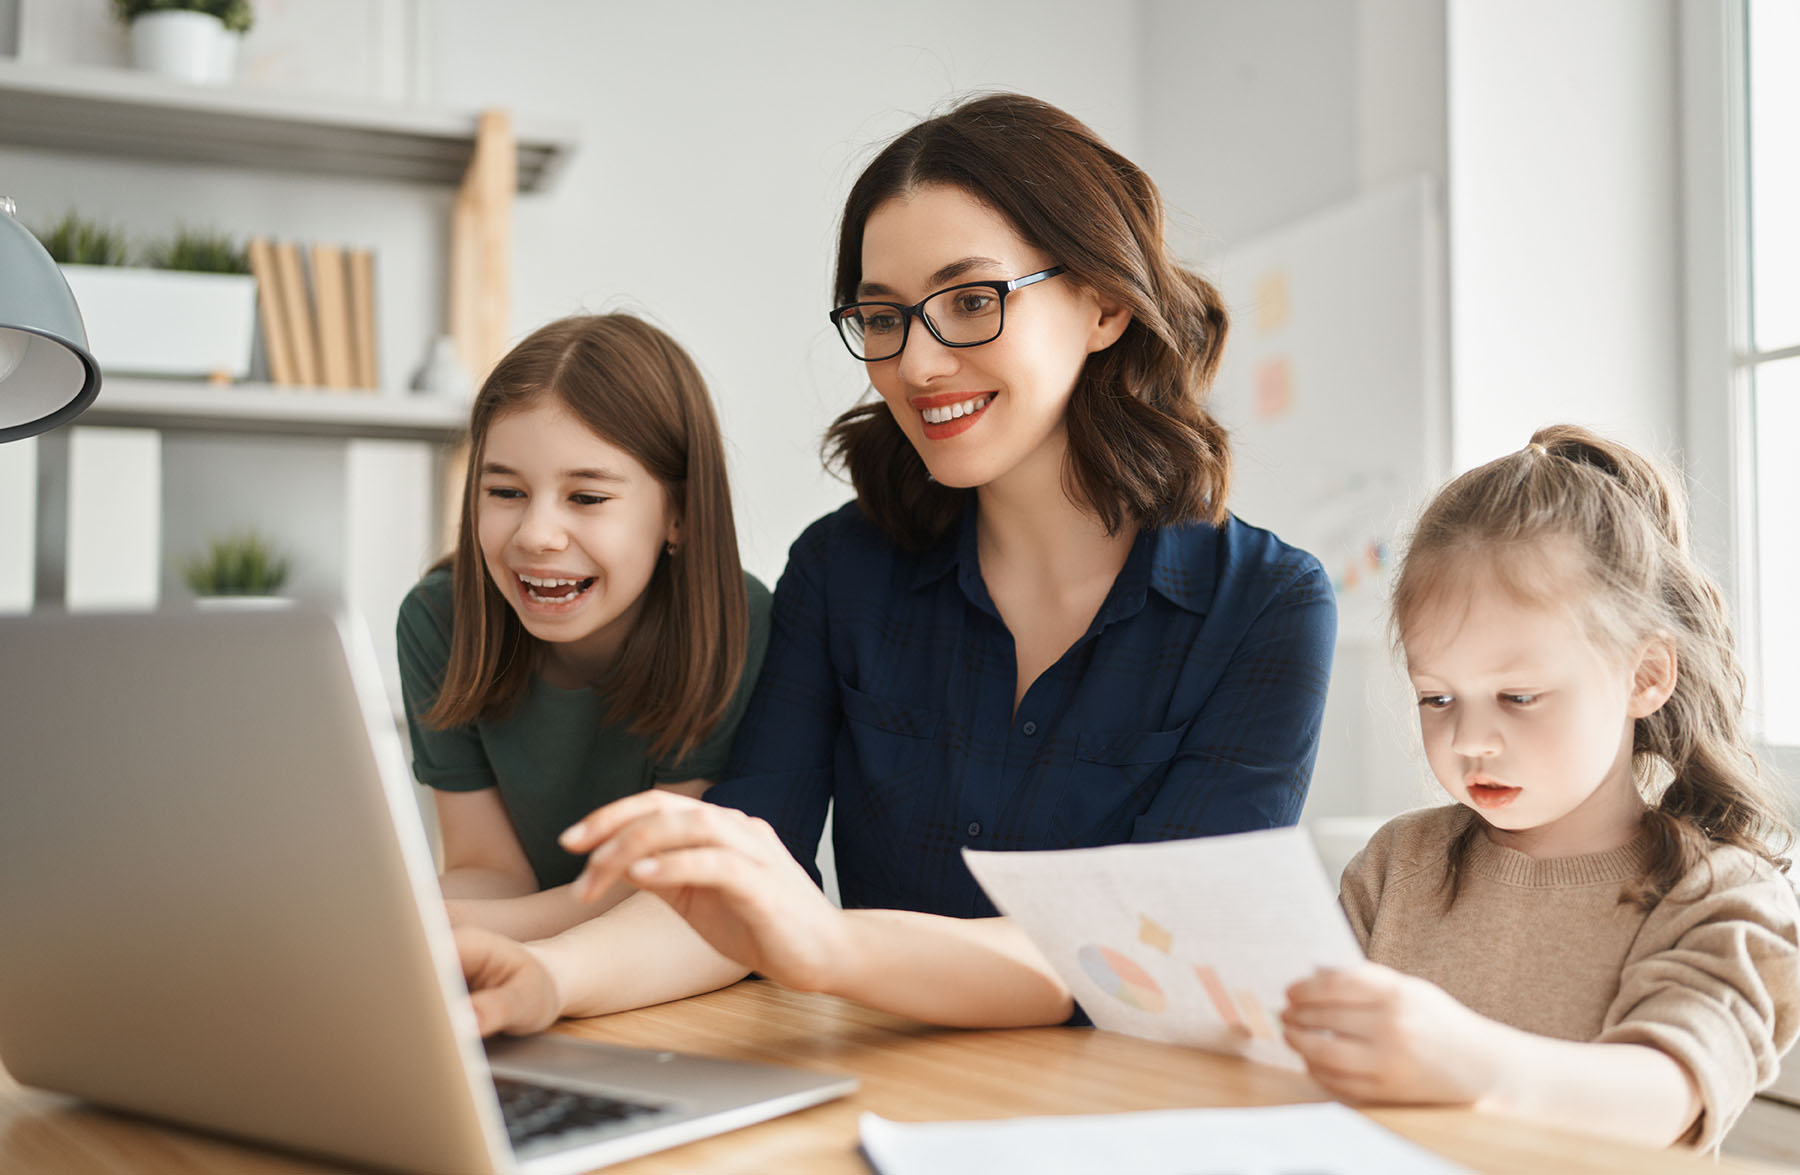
(1142, 447)
(1627, 516)
(680, 664)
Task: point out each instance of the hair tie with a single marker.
(1538, 449)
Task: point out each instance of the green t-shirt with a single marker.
(555, 758)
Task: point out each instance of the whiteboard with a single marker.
(1332, 386)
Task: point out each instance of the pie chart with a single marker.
(1121, 979)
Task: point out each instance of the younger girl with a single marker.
(593, 635)
(1598, 933)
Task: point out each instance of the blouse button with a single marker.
(1029, 728)
(974, 828)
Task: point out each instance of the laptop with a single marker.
(218, 908)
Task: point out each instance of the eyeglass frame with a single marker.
(917, 310)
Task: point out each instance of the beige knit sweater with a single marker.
(1711, 976)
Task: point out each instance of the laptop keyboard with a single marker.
(537, 1112)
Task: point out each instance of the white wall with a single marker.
(1565, 235)
(717, 144)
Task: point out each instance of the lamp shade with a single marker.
(47, 376)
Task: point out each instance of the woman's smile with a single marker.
(949, 414)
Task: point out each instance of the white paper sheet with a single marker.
(1318, 1139)
(1191, 941)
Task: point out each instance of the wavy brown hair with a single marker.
(680, 664)
(1626, 516)
(1142, 447)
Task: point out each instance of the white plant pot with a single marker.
(165, 321)
(243, 603)
(225, 57)
(179, 44)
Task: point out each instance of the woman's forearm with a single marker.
(960, 972)
(1627, 1091)
(641, 952)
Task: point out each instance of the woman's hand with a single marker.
(726, 873)
(510, 986)
(1376, 1035)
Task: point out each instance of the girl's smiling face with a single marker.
(1006, 398)
(1526, 720)
(570, 528)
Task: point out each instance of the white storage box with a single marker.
(166, 321)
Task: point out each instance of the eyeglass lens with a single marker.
(963, 317)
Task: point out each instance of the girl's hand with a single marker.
(1376, 1035)
(726, 873)
(510, 987)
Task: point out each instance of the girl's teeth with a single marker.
(950, 412)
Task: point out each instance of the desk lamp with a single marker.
(47, 376)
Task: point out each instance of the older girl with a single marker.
(593, 634)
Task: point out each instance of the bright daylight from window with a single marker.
(1775, 327)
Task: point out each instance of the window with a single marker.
(1768, 359)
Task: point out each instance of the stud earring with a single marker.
(669, 548)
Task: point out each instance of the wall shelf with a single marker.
(120, 113)
(266, 408)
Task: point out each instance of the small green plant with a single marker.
(75, 240)
(237, 565)
(199, 251)
(238, 15)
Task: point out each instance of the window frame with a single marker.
(1720, 446)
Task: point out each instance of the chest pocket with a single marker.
(886, 763)
(1112, 779)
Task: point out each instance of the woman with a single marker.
(1037, 627)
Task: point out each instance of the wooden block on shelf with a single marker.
(272, 312)
(303, 343)
(363, 345)
(331, 303)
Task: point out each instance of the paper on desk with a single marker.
(1318, 1139)
(1190, 941)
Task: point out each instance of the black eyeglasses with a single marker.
(962, 316)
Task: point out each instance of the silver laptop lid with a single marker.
(172, 786)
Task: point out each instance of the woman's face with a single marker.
(996, 409)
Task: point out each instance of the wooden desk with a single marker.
(909, 1073)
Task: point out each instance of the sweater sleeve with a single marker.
(1714, 981)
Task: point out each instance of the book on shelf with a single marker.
(331, 310)
(303, 340)
(364, 349)
(317, 312)
(272, 312)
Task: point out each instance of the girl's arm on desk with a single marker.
(1376, 1035)
(482, 855)
(488, 881)
(730, 877)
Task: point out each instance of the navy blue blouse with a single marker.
(1191, 707)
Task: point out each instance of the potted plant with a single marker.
(236, 569)
(189, 310)
(192, 40)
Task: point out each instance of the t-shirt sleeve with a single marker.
(708, 760)
(1246, 758)
(781, 762)
(451, 759)
(1715, 982)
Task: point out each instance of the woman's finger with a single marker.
(724, 870)
(586, 834)
(664, 831)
